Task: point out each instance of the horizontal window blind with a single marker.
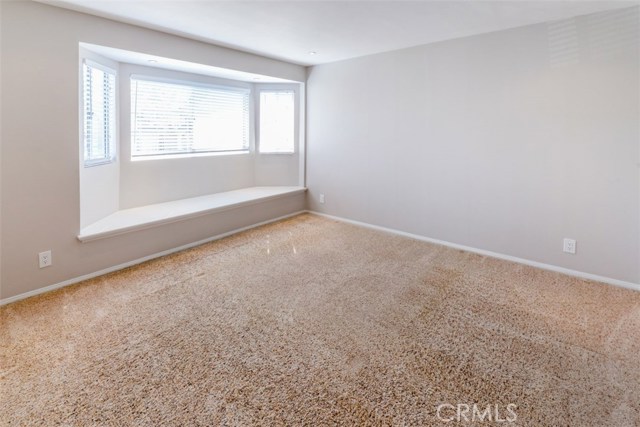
(99, 124)
(179, 118)
(277, 121)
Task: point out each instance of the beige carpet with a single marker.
(315, 322)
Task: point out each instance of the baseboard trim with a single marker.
(550, 267)
(75, 280)
(543, 266)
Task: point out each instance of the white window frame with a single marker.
(279, 87)
(195, 83)
(113, 143)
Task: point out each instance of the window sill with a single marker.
(129, 220)
(189, 155)
(93, 163)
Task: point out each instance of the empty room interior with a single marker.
(345, 213)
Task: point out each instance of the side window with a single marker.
(99, 114)
(277, 121)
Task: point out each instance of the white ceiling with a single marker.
(336, 30)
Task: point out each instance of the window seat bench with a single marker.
(127, 220)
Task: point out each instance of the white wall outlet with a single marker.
(45, 259)
(569, 246)
(321, 198)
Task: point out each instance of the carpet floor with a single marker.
(311, 321)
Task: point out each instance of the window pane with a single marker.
(99, 102)
(173, 118)
(277, 124)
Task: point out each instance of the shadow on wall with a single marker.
(596, 36)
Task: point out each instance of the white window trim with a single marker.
(187, 82)
(113, 146)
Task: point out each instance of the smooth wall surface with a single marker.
(507, 142)
(40, 139)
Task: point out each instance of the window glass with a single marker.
(99, 114)
(277, 121)
(181, 118)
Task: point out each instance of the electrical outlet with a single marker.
(569, 246)
(321, 198)
(45, 259)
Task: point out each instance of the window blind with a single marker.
(99, 124)
(182, 118)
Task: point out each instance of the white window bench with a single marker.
(134, 219)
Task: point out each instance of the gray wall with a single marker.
(40, 144)
(506, 142)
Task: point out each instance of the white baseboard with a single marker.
(138, 261)
(575, 273)
(567, 271)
